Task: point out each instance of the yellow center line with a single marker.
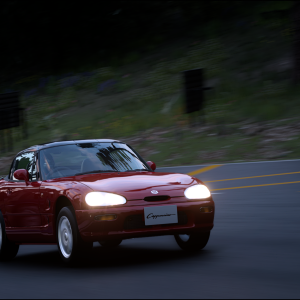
(205, 169)
(250, 186)
(253, 177)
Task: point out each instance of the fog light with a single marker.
(105, 217)
(206, 209)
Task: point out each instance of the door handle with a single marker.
(8, 192)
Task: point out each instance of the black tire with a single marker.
(8, 249)
(110, 243)
(193, 242)
(67, 230)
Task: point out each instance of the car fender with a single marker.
(52, 193)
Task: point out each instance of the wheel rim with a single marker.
(184, 237)
(0, 236)
(65, 237)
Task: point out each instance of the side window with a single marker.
(25, 161)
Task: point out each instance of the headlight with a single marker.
(104, 199)
(198, 191)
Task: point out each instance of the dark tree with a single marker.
(296, 46)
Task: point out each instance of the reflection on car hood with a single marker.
(138, 185)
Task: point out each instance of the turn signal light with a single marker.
(105, 217)
(206, 209)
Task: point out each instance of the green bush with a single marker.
(131, 58)
(52, 87)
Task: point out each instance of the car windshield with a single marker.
(85, 158)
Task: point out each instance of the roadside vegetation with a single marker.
(252, 112)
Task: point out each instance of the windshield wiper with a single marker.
(95, 171)
(136, 170)
(107, 171)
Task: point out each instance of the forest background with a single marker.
(113, 69)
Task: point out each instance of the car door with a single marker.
(22, 200)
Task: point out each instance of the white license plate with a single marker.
(156, 215)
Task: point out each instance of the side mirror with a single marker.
(152, 165)
(22, 174)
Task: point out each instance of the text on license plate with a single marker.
(156, 215)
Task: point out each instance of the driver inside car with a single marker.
(48, 165)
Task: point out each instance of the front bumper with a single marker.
(130, 220)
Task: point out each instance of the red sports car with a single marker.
(74, 193)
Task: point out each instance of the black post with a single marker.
(11, 115)
(10, 146)
(193, 80)
(23, 123)
(194, 94)
(2, 141)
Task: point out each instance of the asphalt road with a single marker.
(253, 252)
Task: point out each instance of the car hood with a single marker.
(139, 185)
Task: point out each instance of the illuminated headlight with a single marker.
(198, 191)
(104, 199)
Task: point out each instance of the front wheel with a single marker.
(8, 250)
(70, 245)
(192, 242)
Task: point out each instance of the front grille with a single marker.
(137, 221)
(134, 222)
(157, 198)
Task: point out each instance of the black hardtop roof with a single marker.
(61, 143)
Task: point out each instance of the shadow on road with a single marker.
(123, 256)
